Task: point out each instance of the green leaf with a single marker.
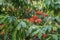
(40, 35)
(5, 37)
(23, 24)
(49, 28)
(32, 28)
(55, 37)
(55, 28)
(48, 38)
(35, 32)
(14, 35)
(1, 1)
(18, 27)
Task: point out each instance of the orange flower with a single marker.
(2, 33)
(18, 17)
(2, 24)
(28, 9)
(31, 19)
(39, 12)
(45, 15)
(44, 35)
(38, 20)
(35, 17)
(35, 35)
(52, 31)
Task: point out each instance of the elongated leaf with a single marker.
(55, 37)
(14, 35)
(35, 32)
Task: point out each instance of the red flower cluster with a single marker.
(35, 19)
(2, 33)
(45, 15)
(2, 25)
(44, 35)
(31, 20)
(38, 20)
(39, 12)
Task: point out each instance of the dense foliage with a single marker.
(29, 19)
